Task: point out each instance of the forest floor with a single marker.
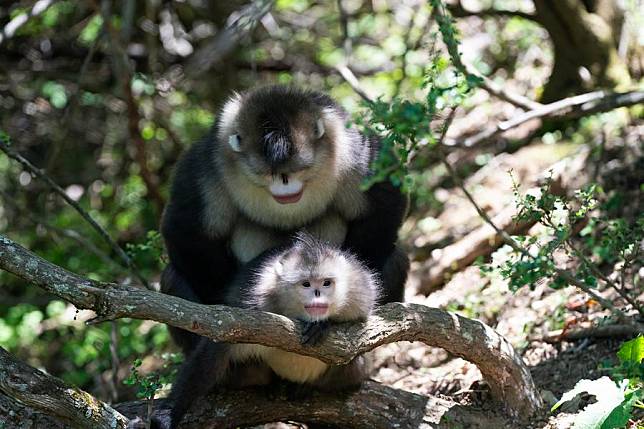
(527, 317)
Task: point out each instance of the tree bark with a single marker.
(509, 380)
(371, 406)
(54, 398)
(582, 38)
(47, 403)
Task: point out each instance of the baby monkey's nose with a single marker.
(285, 179)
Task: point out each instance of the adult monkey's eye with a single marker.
(306, 284)
(234, 142)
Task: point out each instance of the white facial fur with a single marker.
(254, 196)
(351, 294)
(279, 187)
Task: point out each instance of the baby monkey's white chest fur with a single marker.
(290, 366)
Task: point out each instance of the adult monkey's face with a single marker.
(282, 145)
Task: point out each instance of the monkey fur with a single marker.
(310, 281)
(279, 160)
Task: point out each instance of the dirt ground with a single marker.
(526, 317)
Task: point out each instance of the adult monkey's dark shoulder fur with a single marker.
(279, 160)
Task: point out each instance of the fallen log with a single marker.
(371, 406)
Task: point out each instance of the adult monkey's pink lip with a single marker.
(317, 309)
(288, 199)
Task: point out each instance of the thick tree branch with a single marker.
(53, 397)
(371, 406)
(505, 372)
(15, 414)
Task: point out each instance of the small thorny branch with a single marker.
(565, 274)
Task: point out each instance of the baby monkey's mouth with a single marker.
(286, 189)
(317, 310)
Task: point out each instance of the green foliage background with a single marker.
(64, 108)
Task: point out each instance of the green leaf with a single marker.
(632, 351)
(622, 414)
(609, 396)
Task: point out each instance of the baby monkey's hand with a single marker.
(314, 332)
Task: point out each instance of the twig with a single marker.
(460, 12)
(566, 275)
(597, 272)
(606, 331)
(408, 48)
(134, 118)
(505, 95)
(505, 372)
(67, 233)
(73, 103)
(60, 191)
(239, 24)
(10, 29)
(572, 107)
(351, 79)
(83, 71)
(115, 361)
(124, 72)
(444, 21)
(347, 43)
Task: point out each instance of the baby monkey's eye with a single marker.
(306, 284)
(327, 282)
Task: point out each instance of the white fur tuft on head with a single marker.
(227, 120)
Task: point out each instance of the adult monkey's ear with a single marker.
(279, 268)
(319, 128)
(233, 142)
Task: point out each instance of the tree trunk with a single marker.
(585, 36)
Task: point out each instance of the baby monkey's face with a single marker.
(316, 297)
